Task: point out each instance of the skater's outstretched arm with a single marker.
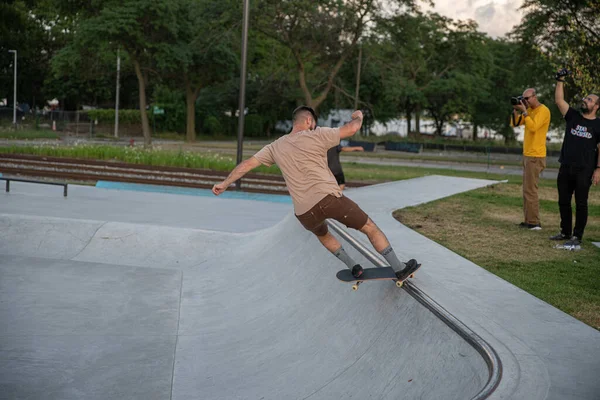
(242, 169)
(353, 126)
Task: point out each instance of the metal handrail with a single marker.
(486, 351)
(9, 179)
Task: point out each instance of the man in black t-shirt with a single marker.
(579, 163)
(333, 159)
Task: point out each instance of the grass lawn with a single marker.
(488, 236)
(28, 134)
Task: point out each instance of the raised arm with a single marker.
(353, 126)
(353, 148)
(559, 97)
(242, 169)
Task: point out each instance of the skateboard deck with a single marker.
(373, 274)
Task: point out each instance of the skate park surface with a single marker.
(118, 294)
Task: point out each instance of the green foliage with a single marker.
(212, 125)
(173, 103)
(188, 58)
(136, 155)
(108, 116)
(567, 32)
(253, 126)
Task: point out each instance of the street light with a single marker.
(117, 99)
(15, 91)
(242, 105)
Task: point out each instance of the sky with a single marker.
(495, 17)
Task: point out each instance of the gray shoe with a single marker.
(559, 236)
(573, 244)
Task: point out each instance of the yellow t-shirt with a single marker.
(536, 127)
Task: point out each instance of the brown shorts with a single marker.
(341, 209)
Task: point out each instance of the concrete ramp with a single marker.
(98, 308)
(260, 315)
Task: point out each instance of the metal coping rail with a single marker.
(8, 179)
(483, 348)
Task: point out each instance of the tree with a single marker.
(320, 35)
(25, 29)
(567, 32)
(145, 29)
(431, 62)
(85, 74)
(204, 52)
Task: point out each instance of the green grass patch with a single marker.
(27, 134)
(136, 155)
(481, 225)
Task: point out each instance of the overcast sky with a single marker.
(495, 17)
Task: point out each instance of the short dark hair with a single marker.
(301, 110)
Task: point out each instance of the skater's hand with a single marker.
(219, 188)
(596, 176)
(357, 115)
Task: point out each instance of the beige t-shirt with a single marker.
(302, 158)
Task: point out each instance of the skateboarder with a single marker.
(302, 157)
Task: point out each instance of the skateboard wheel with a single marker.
(399, 283)
(355, 287)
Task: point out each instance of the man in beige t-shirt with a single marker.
(302, 157)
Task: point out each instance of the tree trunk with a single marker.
(191, 95)
(418, 119)
(439, 128)
(475, 129)
(143, 112)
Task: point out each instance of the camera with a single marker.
(561, 74)
(516, 100)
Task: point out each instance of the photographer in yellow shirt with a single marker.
(528, 111)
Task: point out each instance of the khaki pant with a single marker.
(532, 168)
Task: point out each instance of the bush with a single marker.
(212, 125)
(253, 126)
(108, 116)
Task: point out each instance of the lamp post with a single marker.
(117, 99)
(242, 105)
(15, 90)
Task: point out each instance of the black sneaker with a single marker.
(357, 271)
(531, 227)
(559, 236)
(573, 244)
(411, 267)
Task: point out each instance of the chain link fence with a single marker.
(68, 122)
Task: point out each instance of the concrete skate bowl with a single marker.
(256, 315)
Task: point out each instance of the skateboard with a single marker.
(373, 274)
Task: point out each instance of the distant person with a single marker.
(302, 157)
(579, 163)
(333, 160)
(536, 118)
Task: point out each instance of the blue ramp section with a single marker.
(274, 198)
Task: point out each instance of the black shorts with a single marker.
(340, 178)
